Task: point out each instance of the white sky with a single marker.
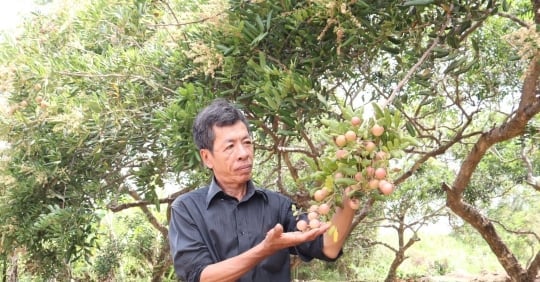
(12, 12)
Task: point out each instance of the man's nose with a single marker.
(242, 152)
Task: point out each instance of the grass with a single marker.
(440, 254)
(435, 255)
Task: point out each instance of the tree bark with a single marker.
(488, 232)
(529, 106)
(163, 262)
(400, 257)
(13, 268)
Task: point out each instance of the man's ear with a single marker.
(206, 157)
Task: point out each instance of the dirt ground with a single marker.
(450, 277)
(458, 277)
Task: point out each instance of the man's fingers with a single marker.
(313, 233)
(276, 231)
(276, 236)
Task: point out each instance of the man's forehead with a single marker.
(231, 132)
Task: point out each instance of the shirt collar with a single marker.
(214, 189)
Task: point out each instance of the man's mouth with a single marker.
(244, 167)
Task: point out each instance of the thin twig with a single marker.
(410, 73)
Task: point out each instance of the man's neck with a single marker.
(234, 190)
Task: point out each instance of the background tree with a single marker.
(102, 97)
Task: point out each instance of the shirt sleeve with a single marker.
(309, 250)
(189, 253)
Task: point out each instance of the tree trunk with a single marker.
(486, 229)
(162, 263)
(398, 260)
(13, 268)
(529, 106)
(400, 257)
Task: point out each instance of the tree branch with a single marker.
(139, 203)
(531, 179)
(149, 215)
(115, 75)
(410, 73)
(516, 232)
(514, 18)
(534, 267)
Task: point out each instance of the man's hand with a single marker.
(233, 268)
(276, 239)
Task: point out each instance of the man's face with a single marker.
(232, 158)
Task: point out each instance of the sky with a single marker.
(12, 12)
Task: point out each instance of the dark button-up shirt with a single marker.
(208, 226)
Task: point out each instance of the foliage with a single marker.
(102, 96)
(108, 260)
(83, 97)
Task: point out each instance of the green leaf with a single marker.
(269, 20)
(410, 129)
(258, 39)
(345, 181)
(260, 23)
(378, 111)
(418, 3)
(455, 64)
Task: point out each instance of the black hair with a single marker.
(218, 113)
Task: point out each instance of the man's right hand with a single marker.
(276, 239)
(233, 268)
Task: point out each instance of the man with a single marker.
(232, 230)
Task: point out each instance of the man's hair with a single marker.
(219, 113)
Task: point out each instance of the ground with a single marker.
(458, 277)
(450, 277)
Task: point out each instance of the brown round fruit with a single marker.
(325, 191)
(356, 121)
(386, 187)
(377, 130)
(380, 173)
(341, 140)
(350, 136)
(381, 155)
(314, 223)
(312, 215)
(370, 146)
(324, 209)
(341, 154)
(302, 225)
(358, 176)
(373, 184)
(319, 195)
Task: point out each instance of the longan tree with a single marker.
(102, 97)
